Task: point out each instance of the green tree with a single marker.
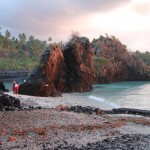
(22, 40)
(7, 39)
(1, 38)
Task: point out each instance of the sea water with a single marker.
(118, 95)
(114, 95)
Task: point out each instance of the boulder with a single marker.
(8, 102)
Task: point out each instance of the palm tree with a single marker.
(22, 40)
(49, 39)
(7, 39)
(1, 38)
(13, 43)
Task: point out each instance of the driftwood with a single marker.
(129, 111)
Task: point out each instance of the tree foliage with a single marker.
(19, 53)
(145, 56)
(100, 61)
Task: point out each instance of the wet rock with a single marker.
(129, 111)
(87, 110)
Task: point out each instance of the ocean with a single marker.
(115, 95)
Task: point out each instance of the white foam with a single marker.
(104, 101)
(97, 98)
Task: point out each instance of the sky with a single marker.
(127, 20)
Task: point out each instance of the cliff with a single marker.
(114, 63)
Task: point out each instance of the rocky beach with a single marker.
(68, 124)
(40, 117)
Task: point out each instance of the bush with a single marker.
(100, 61)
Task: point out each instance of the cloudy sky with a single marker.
(128, 20)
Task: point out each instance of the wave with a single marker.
(104, 101)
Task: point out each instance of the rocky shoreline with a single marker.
(64, 126)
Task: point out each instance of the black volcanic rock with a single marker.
(8, 102)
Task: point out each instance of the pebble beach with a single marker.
(47, 127)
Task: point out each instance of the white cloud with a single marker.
(129, 20)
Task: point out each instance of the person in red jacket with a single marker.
(16, 87)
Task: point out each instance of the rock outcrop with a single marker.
(71, 69)
(114, 63)
(67, 70)
(79, 61)
(48, 79)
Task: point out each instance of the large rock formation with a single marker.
(114, 63)
(71, 69)
(49, 77)
(67, 71)
(79, 61)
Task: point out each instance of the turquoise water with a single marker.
(121, 94)
(115, 95)
(8, 85)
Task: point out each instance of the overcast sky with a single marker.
(128, 20)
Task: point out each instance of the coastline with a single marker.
(48, 102)
(51, 128)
